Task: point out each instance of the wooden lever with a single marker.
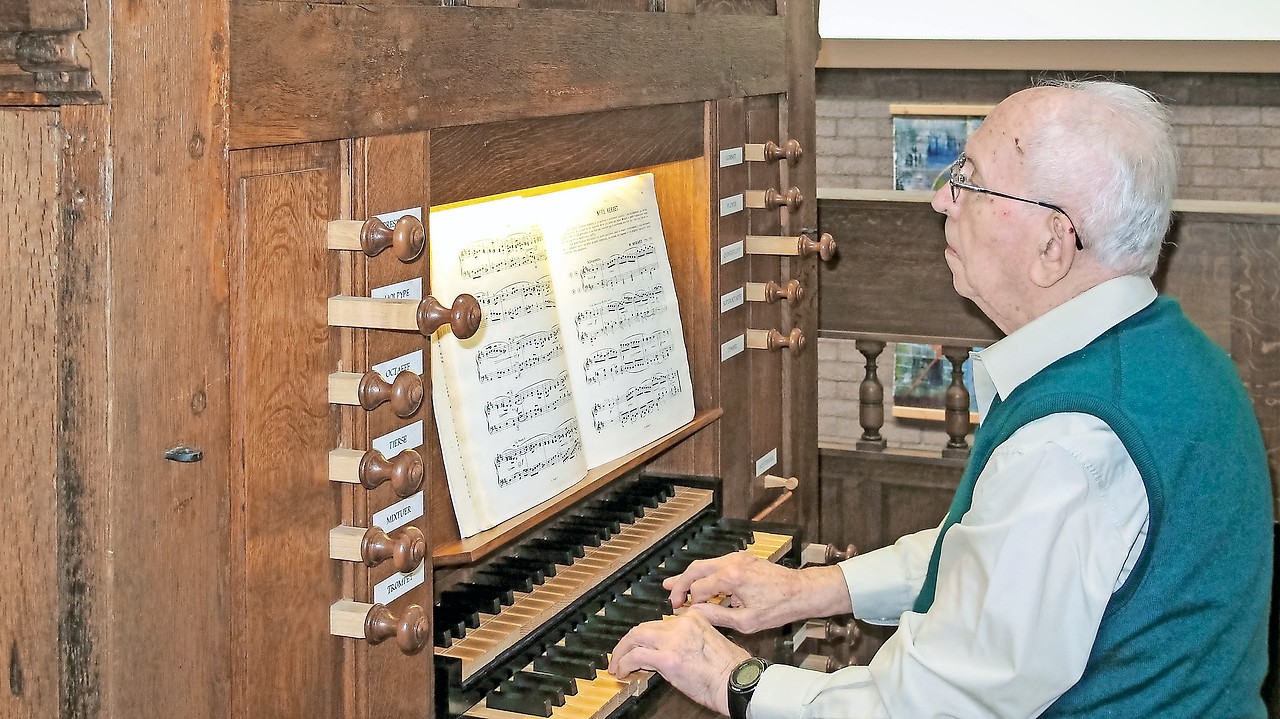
(405, 547)
(770, 152)
(771, 199)
(370, 390)
(773, 340)
(824, 246)
(370, 469)
(826, 553)
(773, 481)
(772, 291)
(372, 236)
(425, 316)
(375, 623)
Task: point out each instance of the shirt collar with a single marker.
(1000, 368)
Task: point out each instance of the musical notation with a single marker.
(539, 398)
(518, 249)
(637, 402)
(636, 353)
(619, 268)
(512, 358)
(536, 454)
(516, 300)
(617, 315)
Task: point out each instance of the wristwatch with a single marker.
(742, 684)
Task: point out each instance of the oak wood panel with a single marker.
(889, 277)
(798, 122)
(165, 182)
(392, 174)
(769, 418)
(84, 481)
(284, 428)
(37, 15)
(30, 603)
(312, 72)
(481, 160)
(739, 7)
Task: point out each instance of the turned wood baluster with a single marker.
(957, 421)
(404, 471)
(871, 398)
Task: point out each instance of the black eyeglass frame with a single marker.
(958, 182)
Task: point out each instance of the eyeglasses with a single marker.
(959, 182)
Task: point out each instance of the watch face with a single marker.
(747, 674)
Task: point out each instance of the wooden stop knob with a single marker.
(406, 548)
(463, 317)
(411, 631)
(408, 237)
(790, 151)
(824, 246)
(404, 471)
(793, 292)
(404, 394)
(791, 199)
(843, 632)
(793, 340)
(835, 554)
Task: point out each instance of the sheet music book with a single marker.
(580, 358)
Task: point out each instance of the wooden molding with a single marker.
(1102, 55)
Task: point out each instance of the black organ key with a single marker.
(619, 505)
(511, 582)
(632, 610)
(487, 600)
(537, 569)
(563, 685)
(580, 537)
(609, 522)
(532, 702)
(582, 669)
(445, 629)
(591, 657)
(593, 640)
(550, 551)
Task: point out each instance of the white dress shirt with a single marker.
(1059, 517)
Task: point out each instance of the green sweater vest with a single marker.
(1186, 635)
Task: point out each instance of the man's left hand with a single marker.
(686, 650)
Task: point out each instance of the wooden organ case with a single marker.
(195, 180)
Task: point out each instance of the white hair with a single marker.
(1109, 159)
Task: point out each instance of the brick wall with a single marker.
(1227, 127)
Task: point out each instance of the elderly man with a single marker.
(1108, 550)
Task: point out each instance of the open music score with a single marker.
(581, 358)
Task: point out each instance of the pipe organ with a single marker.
(272, 316)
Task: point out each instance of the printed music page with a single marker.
(580, 356)
(509, 436)
(617, 304)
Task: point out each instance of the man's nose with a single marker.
(942, 202)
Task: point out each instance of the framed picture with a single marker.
(921, 376)
(927, 139)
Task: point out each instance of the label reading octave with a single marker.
(395, 586)
(730, 205)
(411, 362)
(765, 463)
(733, 299)
(389, 218)
(729, 253)
(407, 290)
(731, 157)
(399, 514)
(394, 443)
(733, 347)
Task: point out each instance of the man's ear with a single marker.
(1057, 253)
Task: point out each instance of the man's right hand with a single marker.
(757, 594)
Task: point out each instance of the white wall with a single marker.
(1041, 20)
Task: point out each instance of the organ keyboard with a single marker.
(529, 633)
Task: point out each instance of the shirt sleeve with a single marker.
(1024, 578)
(883, 584)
